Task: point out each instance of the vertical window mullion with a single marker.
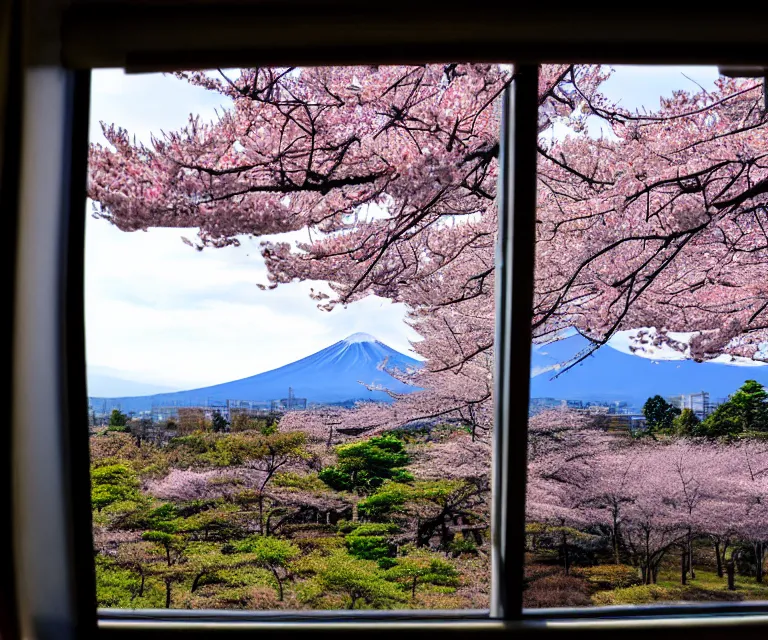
(51, 499)
(516, 204)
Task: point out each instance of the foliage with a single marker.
(686, 424)
(434, 503)
(219, 423)
(272, 554)
(609, 576)
(364, 466)
(421, 568)
(360, 582)
(642, 594)
(460, 544)
(745, 411)
(371, 541)
(117, 418)
(659, 414)
(113, 483)
(724, 421)
(299, 482)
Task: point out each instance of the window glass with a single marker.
(647, 453)
(289, 316)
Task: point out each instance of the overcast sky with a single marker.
(162, 313)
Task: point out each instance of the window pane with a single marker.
(647, 471)
(290, 328)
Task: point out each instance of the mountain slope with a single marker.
(101, 384)
(612, 375)
(333, 375)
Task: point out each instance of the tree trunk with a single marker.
(615, 532)
(759, 562)
(683, 567)
(565, 554)
(655, 573)
(196, 581)
(354, 511)
(444, 534)
(690, 558)
(141, 586)
(730, 568)
(167, 593)
(413, 587)
(719, 559)
(279, 585)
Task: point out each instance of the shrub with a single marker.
(113, 483)
(117, 429)
(369, 541)
(609, 576)
(460, 545)
(642, 594)
(299, 481)
(360, 582)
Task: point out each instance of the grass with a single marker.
(706, 587)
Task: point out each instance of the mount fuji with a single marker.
(339, 374)
(613, 374)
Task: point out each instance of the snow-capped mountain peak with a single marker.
(360, 337)
(350, 370)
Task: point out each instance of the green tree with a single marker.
(371, 541)
(436, 505)
(423, 568)
(270, 553)
(219, 422)
(746, 410)
(686, 423)
(113, 483)
(723, 421)
(357, 580)
(364, 466)
(659, 414)
(268, 453)
(750, 403)
(117, 418)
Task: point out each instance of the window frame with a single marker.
(52, 516)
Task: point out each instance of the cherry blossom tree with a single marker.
(392, 172)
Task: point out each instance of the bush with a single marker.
(113, 483)
(642, 594)
(299, 481)
(369, 542)
(609, 576)
(117, 429)
(460, 545)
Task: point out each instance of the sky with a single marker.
(166, 316)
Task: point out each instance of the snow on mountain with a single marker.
(359, 337)
(340, 373)
(618, 374)
(627, 342)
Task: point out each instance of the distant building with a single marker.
(697, 402)
(291, 403)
